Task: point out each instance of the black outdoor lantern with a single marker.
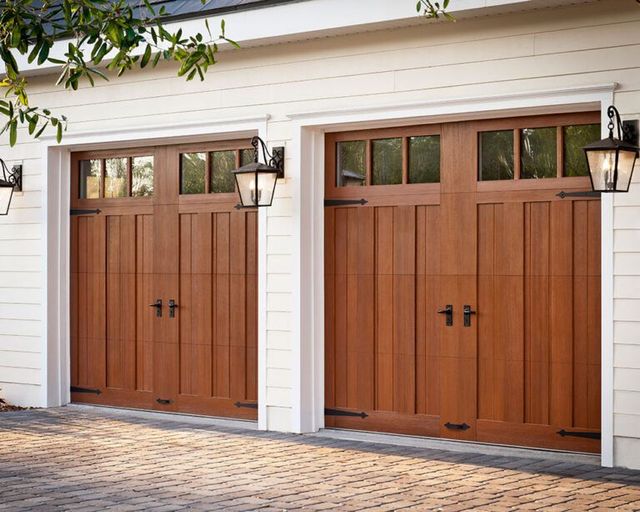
(10, 180)
(611, 161)
(257, 181)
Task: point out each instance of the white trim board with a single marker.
(56, 238)
(308, 252)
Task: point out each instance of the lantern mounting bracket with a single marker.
(12, 176)
(627, 130)
(273, 159)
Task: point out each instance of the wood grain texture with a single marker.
(199, 252)
(528, 262)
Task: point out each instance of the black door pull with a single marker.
(158, 305)
(448, 311)
(467, 315)
(172, 308)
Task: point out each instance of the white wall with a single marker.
(627, 325)
(538, 50)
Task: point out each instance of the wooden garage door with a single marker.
(166, 230)
(464, 215)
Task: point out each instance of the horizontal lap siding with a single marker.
(626, 315)
(538, 50)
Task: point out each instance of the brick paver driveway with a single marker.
(79, 459)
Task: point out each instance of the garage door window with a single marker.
(537, 152)
(401, 160)
(116, 177)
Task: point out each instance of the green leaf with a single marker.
(231, 42)
(146, 56)
(59, 134)
(13, 133)
(34, 52)
(44, 54)
(41, 130)
(32, 125)
(222, 25)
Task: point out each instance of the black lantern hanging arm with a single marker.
(611, 161)
(10, 181)
(275, 159)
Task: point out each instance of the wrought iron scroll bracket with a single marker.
(273, 159)
(13, 175)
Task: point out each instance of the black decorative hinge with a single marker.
(457, 426)
(85, 212)
(247, 405)
(344, 202)
(580, 193)
(586, 435)
(76, 389)
(163, 401)
(340, 412)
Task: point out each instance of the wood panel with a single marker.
(217, 312)
(538, 337)
(198, 251)
(381, 349)
(112, 339)
(528, 364)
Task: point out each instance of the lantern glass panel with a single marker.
(602, 163)
(626, 161)
(247, 187)
(256, 189)
(6, 193)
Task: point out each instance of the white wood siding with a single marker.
(538, 50)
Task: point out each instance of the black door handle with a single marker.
(448, 311)
(172, 308)
(158, 305)
(467, 315)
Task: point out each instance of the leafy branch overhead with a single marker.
(97, 32)
(115, 35)
(435, 10)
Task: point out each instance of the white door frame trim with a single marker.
(56, 237)
(307, 181)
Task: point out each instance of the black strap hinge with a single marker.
(586, 435)
(344, 202)
(340, 412)
(74, 211)
(585, 193)
(247, 405)
(76, 389)
(457, 426)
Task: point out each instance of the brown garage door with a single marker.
(167, 231)
(465, 216)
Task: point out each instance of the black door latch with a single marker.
(172, 308)
(467, 315)
(448, 311)
(158, 305)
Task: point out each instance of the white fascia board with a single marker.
(315, 18)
